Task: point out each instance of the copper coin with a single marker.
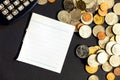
(117, 71)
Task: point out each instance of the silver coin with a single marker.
(68, 5)
(109, 32)
(117, 38)
(114, 60)
(85, 31)
(111, 18)
(116, 29)
(116, 49)
(64, 16)
(75, 14)
(97, 29)
(82, 51)
(116, 8)
(92, 60)
(102, 57)
(93, 77)
(42, 2)
(106, 67)
(102, 43)
(109, 46)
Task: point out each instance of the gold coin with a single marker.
(110, 76)
(98, 19)
(91, 70)
(93, 49)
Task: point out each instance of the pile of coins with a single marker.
(83, 13)
(43, 2)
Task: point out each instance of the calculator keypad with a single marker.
(11, 8)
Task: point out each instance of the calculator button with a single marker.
(5, 12)
(16, 2)
(15, 12)
(6, 2)
(1, 6)
(10, 7)
(26, 3)
(9, 17)
(21, 7)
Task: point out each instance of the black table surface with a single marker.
(10, 43)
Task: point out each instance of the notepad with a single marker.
(46, 43)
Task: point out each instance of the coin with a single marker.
(116, 29)
(116, 49)
(109, 46)
(104, 6)
(81, 5)
(116, 8)
(93, 77)
(98, 28)
(87, 18)
(101, 35)
(75, 23)
(98, 19)
(79, 25)
(106, 67)
(117, 38)
(92, 60)
(110, 76)
(42, 2)
(102, 13)
(91, 7)
(68, 5)
(51, 1)
(102, 43)
(82, 51)
(85, 31)
(111, 18)
(93, 50)
(102, 57)
(109, 32)
(117, 71)
(75, 14)
(64, 16)
(110, 3)
(114, 60)
(90, 69)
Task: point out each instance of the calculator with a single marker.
(11, 10)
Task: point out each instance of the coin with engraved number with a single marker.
(64, 16)
(116, 49)
(93, 77)
(68, 5)
(82, 51)
(92, 60)
(42, 2)
(85, 31)
(114, 60)
(75, 14)
(116, 29)
(111, 18)
(106, 67)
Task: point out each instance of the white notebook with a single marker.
(46, 43)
